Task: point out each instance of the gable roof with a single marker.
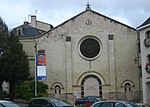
(83, 13)
(97, 14)
(147, 22)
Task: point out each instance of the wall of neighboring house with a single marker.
(145, 51)
(29, 47)
(29, 43)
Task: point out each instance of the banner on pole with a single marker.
(41, 65)
(41, 72)
(41, 60)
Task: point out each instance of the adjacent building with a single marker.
(27, 33)
(144, 40)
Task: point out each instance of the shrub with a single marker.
(26, 90)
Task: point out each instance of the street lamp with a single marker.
(35, 72)
(136, 60)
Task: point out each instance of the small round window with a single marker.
(90, 48)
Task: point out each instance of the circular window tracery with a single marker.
(90, 47)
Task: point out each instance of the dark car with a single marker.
(47, 102)
(5, 103)
(87, 100)
(114, 104)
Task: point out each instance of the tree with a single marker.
(3, 35)
(14, 65)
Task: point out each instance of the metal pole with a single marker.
(35, 75)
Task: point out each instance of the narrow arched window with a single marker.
(148, 34)
(57, 89)
(148, 57)
(127, 87)
(147, 39)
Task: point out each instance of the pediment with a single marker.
(84, 17)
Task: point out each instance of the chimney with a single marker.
(33, 21)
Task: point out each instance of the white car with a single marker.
(5, 103)
(114, 103)
(141, 105)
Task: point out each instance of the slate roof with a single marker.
(27, 31)
(145, 23)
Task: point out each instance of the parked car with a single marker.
(114, 104)
(141, 105)
(5, 103)
(47, 102)
(87, 100)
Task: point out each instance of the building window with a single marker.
(127, 87)
(110, 37)
(90, 47)
(148, 34)
(19, 32)
(148, 57)
(147, 67)
(68, 39)
(57, 89)
(147, 39)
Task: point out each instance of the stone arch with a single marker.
(91, 84)
(57, 84)
(127, 81)
(90, 73)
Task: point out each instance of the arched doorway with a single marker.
(57, 87)
(91, 86)
(128, 89)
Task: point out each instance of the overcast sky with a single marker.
(15, 12)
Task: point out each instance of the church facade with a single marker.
(91, 54)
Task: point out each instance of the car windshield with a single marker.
(60, 103)
(9, 104)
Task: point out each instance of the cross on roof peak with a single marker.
(88, 6)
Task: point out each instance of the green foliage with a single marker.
(3, 44)
(25, 90)
(15, 62)
(14, 65)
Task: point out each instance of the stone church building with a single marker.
(89, 54)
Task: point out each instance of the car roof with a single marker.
(118, 101)
(113, 101)
(46, 98)
(5, 101)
